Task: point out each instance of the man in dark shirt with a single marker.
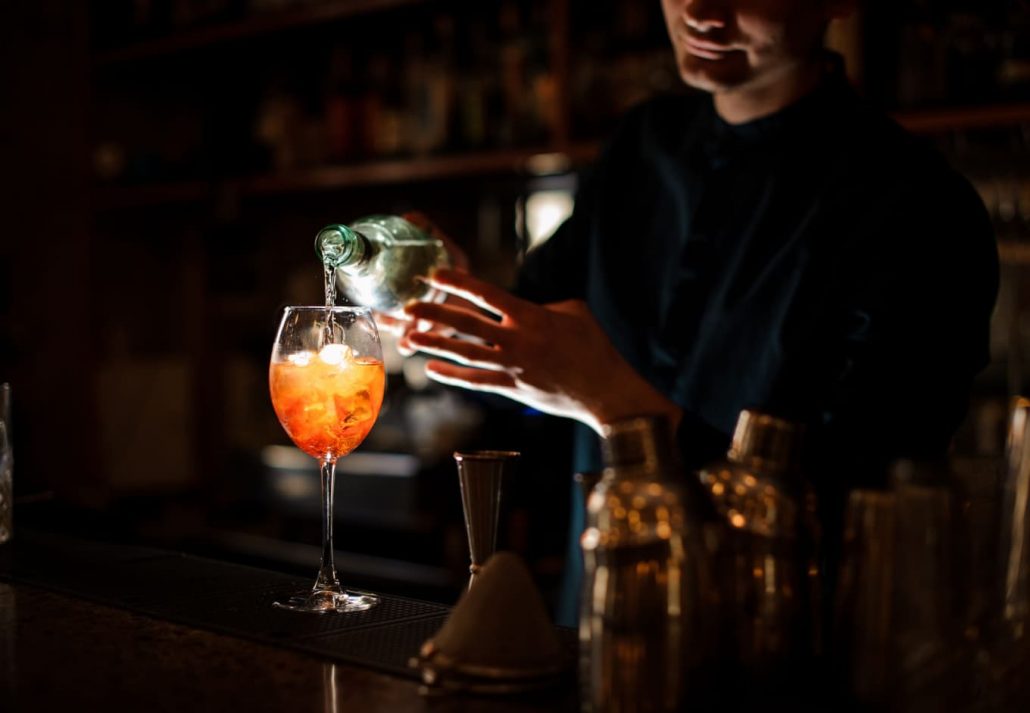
(772, 244)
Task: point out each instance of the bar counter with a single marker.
(59, 651)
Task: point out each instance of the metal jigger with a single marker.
(480, 474)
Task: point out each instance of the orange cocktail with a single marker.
(326, 380)
(327, 400)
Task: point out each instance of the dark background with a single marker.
(166, 163)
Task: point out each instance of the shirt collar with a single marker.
(808, 109)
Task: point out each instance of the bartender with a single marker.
(770, 242)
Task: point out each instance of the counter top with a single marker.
(60, 651)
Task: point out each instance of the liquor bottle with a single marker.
(379, 261)
(647, 593)
(764, 560)
(342, 108)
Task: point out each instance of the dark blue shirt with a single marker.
(820, 264)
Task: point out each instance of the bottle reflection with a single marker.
(330, 696)
(8, 649)
(1015, 531)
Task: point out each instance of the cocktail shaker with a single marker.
(647, 594)
(764, 556)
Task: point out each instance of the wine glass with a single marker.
(326, 379)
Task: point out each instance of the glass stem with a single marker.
(327, 580)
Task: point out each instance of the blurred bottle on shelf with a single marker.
(545, 108)
(277, 126)
(185, 14)
(449, 82)
(948, 53)
(621, 56)
(526, 82)
(921, 62)
(476, 87)
(342, 107)
(997, 163)
(146, 19)
(258, 7)
(429, 86)
(511, 52)
(1014, 67)
(383, 115)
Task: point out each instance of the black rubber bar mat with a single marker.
(227, 598)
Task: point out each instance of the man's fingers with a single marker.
(459, 350)
(457, 318)
(393, 325)
(494, 382)
(405, 348)
(482, 294)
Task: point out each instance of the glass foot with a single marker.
(325, 602)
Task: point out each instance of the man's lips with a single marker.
(705, 49)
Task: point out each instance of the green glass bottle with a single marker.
(378, 261)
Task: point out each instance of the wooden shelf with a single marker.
(1014, 253)
(932, 121)
(509, 162)
(262, 24)
(110, 197)
(512, 161)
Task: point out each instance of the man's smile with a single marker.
(706, 49)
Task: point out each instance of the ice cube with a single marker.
(356, 408)
(300, 358)
(335, 354)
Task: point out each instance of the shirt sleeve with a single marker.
(908, 334)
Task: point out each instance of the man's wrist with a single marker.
(632, 407)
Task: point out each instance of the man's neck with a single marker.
(743, 104)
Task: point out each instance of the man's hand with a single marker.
(555, 357)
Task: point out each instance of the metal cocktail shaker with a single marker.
(763, 557)
(644, 613)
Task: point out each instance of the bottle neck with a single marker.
(339, 247)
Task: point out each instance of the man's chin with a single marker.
(713, 75)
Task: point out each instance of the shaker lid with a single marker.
(641, 441)
(773, 441)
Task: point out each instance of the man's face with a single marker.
(724, 45)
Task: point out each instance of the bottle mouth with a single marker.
(338, 245)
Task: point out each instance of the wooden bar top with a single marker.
(62, 653)
(104, 626)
